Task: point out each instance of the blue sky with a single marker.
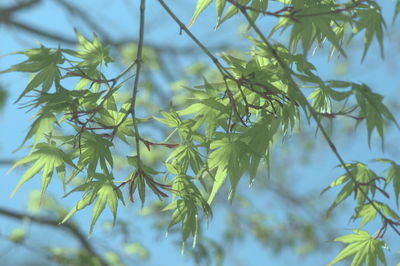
(378, 74)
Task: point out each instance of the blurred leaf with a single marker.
(18, 235)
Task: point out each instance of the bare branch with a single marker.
(72, 229)
(7, 11)
(7, 161)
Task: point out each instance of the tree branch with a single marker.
(7, 161)
(7, 11)
(72, 229)
(185, 50)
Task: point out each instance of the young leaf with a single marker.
(48, 157)
(42, 61)
(93, 53)
(93, 150)
(230, 158)
(370, 18)
(220, 4)
(201, 5)
(367, 212)
(363, 247)
(42, 127)
(372, 108)
(392, 176)
(101, 189)
(232, 10)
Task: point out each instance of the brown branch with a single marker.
(136, 83)
(37, 31)
(7, 11)
(69, 227)
(279, 13)
(159, 48)
(7, 161)
(85, 17)
(135, 89)
(346, 114)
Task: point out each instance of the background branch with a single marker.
(69, 227)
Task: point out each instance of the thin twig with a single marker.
(136, 83)
(200, 44)
(225, 73)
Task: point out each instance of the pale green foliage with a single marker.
(47, 157)
(364, 248)
(18, 235)
(224, 130)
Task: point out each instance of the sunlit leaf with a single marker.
(201, 5)
(47, 158)
(363, 247)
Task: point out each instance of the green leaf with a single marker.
(326, 29)
(201, 5)
(133, 160)
(370, 18)
(172, 206)
(46, 157)
(87, 199)
(112, 117)
(170, 119)
(42, 61)
(93, 53)
(321, 101)
(256, 5)
(106, 194)
(186, 209)
(220, 4)
(18, 235)
(392, 176)
(368, 213)
(396, 11)
(343, 194)
(363, 247)
(232, 10)
(42, 127)
(373, 109)
(93, 150)
(259, 139)
(358, 173)
(230, 158)
(390, 212)
(207, 111)
(186, 155)
(101, 189)
(341, 180)
(142, 189)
